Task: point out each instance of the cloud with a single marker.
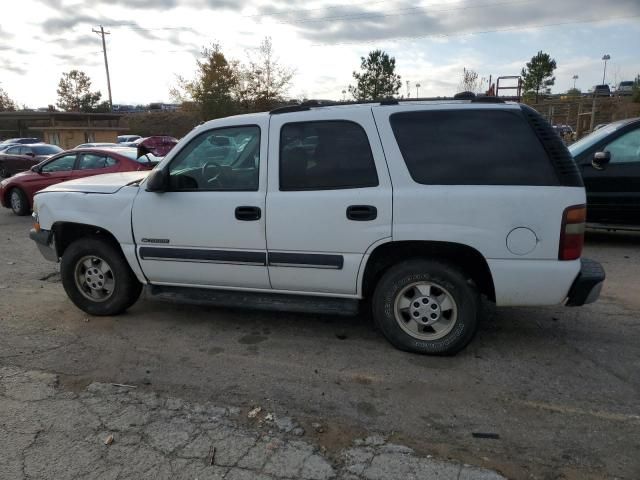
(362, 23)
(13, 68)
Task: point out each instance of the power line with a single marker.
(481, 32)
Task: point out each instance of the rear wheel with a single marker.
(19, 202)
(426, 306)
(97, 278)
(4, 173)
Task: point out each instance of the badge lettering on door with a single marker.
(155, 240)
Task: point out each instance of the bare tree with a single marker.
(264, 81)
(469, 81)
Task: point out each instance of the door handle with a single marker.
(362, 213)
(247, 213)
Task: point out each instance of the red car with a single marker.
(17, 192)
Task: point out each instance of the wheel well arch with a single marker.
(66, 233)
(470, 260)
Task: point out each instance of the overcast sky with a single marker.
(152, 41)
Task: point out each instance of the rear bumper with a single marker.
(587, 285)
(44, 242)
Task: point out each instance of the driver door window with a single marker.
(225, 159)
(62, 164)
(625, 149)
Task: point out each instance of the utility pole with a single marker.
(605, 58)
(102, 33)
(418, 90)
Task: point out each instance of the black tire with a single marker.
(21, 206)
(126, 287)
(4, 173)
(447, 281)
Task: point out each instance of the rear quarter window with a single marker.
(471, 147)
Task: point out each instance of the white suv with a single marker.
(417, 208)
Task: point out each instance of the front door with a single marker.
(209, 229)
(329, 199)
(56, 170)
(613, 193)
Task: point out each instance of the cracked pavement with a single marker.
(49, 432)
(558, 387)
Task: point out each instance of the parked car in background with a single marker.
(609, 160)
(22, 141)
(17, 192)
(4, 146)
(625, 88)
(601, 91)
(566, 132)
(19, 158)
(95, 145)
(128, 138)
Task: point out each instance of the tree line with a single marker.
(223, 86)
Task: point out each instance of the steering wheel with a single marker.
(211, 172)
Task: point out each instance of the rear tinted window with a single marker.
(471, 147)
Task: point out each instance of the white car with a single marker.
(417, 208)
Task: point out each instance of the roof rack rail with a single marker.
(487, 100)
(309, 104)
(289, 109)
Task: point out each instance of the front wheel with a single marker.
(4, 173)
(426, 306)
(19, 202)
(97, 278)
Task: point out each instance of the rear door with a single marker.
(329, 198)
(613, 194)
(93, 163)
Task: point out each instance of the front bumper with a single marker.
(45, 243)
(587, 285)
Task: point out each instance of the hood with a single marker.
(108, 183)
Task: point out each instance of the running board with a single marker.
(254, 300)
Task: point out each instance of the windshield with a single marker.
(46, 150)
(584, 143)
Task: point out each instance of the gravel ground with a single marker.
(556, 388)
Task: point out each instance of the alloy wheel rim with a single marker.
(16, 201)
(94, 278)
(425, 310)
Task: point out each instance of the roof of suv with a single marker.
(495, 102)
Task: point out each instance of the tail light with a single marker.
(572, 232)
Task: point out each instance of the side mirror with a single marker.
(600, 160)
(35, 169)
(157, 181)
(30, 154)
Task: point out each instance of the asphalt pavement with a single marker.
(540, 393)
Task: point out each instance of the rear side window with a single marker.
(325, 155)
(471, 147)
